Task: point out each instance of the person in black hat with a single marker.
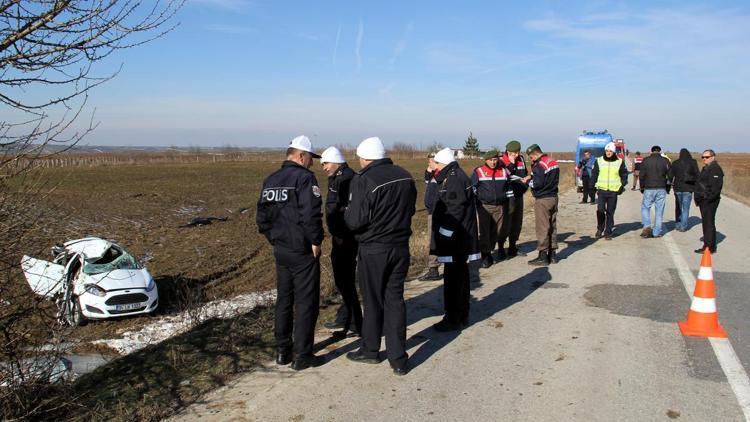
(289, 216)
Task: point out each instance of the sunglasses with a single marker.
(706, 157)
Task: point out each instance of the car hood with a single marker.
(120, 279)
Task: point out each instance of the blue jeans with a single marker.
(655, 197)
(684, 199)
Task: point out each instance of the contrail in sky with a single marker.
(360, 35)
(336, 46)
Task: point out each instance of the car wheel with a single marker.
(76, 313)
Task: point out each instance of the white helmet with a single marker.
(610, 147)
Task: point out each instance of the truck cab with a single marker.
(594, 142)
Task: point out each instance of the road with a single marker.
(593, 337)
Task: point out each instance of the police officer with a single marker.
(610, 176)
(344, 246)
(290, 218)
(430, 196)
(455, 231)
(490, 181)
(382, 202)
(544, 180)
(514, 162)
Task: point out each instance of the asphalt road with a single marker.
(593, 337)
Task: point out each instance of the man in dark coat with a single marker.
(491, 182)
(654, 172)
(454, 227)
(587, 167)
(514, 162)
(343, 244)
(289, 217)
(430, 197)
(544, 181)
(707, 196)
(683, 174)
(382, 202)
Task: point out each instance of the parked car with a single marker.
(92, 278)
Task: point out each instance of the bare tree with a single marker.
(51, 53)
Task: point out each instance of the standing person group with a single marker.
(610, 176)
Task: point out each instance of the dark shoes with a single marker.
(646, 233)
(541, 260)
(333, 325)
(552, 256)
(487, 260)
(432, 274)
(283, 357)
(501, 255)
(400, 371)
(607, 237)
(598, 234)
(701, 250)
(445, 326)
(358, 356)
(514, 252)
(307, 361)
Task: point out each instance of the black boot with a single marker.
(486, 260)
(514, 252)
(501, 254)
(432, 274)
(540, 260)
(552, 256)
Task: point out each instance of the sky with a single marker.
(257, 73)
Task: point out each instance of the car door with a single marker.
(45, 278)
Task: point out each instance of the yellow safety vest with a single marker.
(609, 175)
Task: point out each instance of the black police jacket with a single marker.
(454, 222)
(337, 200)
(684, 172)
(289, 209)
(431, 191)
(654, 172)
(382, 200)
(710, 182)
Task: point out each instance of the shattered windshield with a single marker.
(114, 259)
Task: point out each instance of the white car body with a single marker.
(97, 278)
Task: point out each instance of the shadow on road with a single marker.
(431, 341)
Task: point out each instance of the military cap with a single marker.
(513, 146)
(532, 148)
(490, 154)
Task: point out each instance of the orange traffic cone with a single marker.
(703, 319)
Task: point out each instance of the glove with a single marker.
(669, 188)
(622, 189)
(643, 190)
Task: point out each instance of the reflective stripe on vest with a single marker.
(609, 175)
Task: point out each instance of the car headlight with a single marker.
(95, 290)
(151, 285)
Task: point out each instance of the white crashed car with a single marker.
(92, 278)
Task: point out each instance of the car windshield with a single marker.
(114, 259)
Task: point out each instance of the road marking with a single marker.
(725, 354)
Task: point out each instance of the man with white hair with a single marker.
(290, 218)
(454, 228)
(382, 201)
(609, 177)
(344, 245)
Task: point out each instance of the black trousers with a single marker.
(297, 301)
(677, 210)
(456, 295)
(708, 221)
(514, 220)
(382, 271)
(589, 191)
(344, 263)
(606, 204)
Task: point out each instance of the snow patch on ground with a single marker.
(165, 327)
